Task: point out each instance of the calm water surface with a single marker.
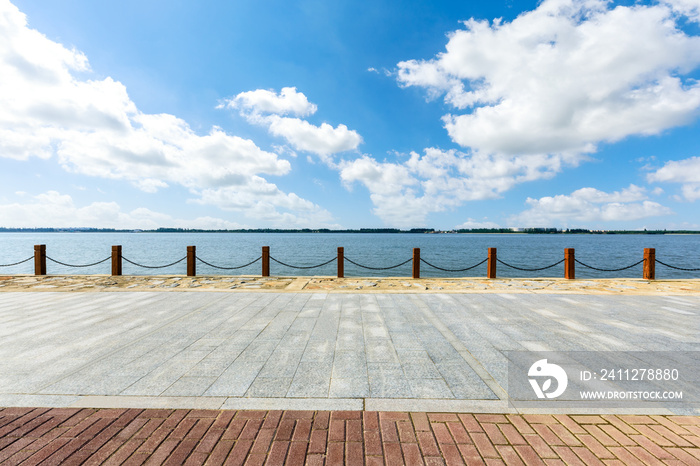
(450, 251)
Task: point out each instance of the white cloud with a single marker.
(265, 108)
(161, 148)
(536, 95)
(48, 110)
(594, 196)
(472, 224)
(321, 140)
(686, 172)
(261, 101)
(689, 8)
(561, 78)
(391, 187)
(53, 209)
(587, 205)
(265, 202)
(404, 194)
(691, 192)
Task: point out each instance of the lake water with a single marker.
(450, 251)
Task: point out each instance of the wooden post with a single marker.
(416, 262)
(341, 262)
(569, 264)
(116, 260)
(649, 264)
(39, 259)
(491, 265)
(266, 261)
(191, 261)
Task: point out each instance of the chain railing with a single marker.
(154, 266)
(677, 268)
(530, 270)
(80, 265)
(492, 260)
(303, 267)
(17, 263)
(453, 270)
(227, 268)
(609, 270)
(378, 268)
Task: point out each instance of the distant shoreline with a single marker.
(509, 231)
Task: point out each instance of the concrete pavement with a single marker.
(312, 351)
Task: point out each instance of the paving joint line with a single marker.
(280, 342)
(242, 309)
(131, 342)
(468, 357)
(251, 342)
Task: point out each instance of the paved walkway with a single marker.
(196, 437)
(314, 378)
(319, 351)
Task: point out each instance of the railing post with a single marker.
(491, 265)
(416, 262)
(116, 260)
(341, 262)
(266, 261)
(649, 264)
(39, 259)
(569, 264)
(191, 261)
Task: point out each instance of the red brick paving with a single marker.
(208, 437)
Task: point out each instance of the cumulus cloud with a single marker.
(587, 205)
(48, 109)
(162, 148)
(404, 193)
(263, 201)
(265, 108)
(323, 140)
(564, 77)
(689, 8)
(536, 95)
(260, 101)
(686, 172)
(472, 224)
(392, 190)
(53, 209)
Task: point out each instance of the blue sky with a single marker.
(316, 114)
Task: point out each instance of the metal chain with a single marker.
(352, 262)
(677, 268)
(227, 268)
(153, 266)
(378, 268)
(609, 270)
(73, 265)
(530, 270)
(453, 270)
(17, 263)
(303, 267)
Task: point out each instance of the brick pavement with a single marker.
(69, 436)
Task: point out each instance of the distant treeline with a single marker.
(198, 230)
(361, 230)
(576, 231)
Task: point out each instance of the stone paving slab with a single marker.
(380, 351)
(31, 436)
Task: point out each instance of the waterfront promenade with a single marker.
(323, 374)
